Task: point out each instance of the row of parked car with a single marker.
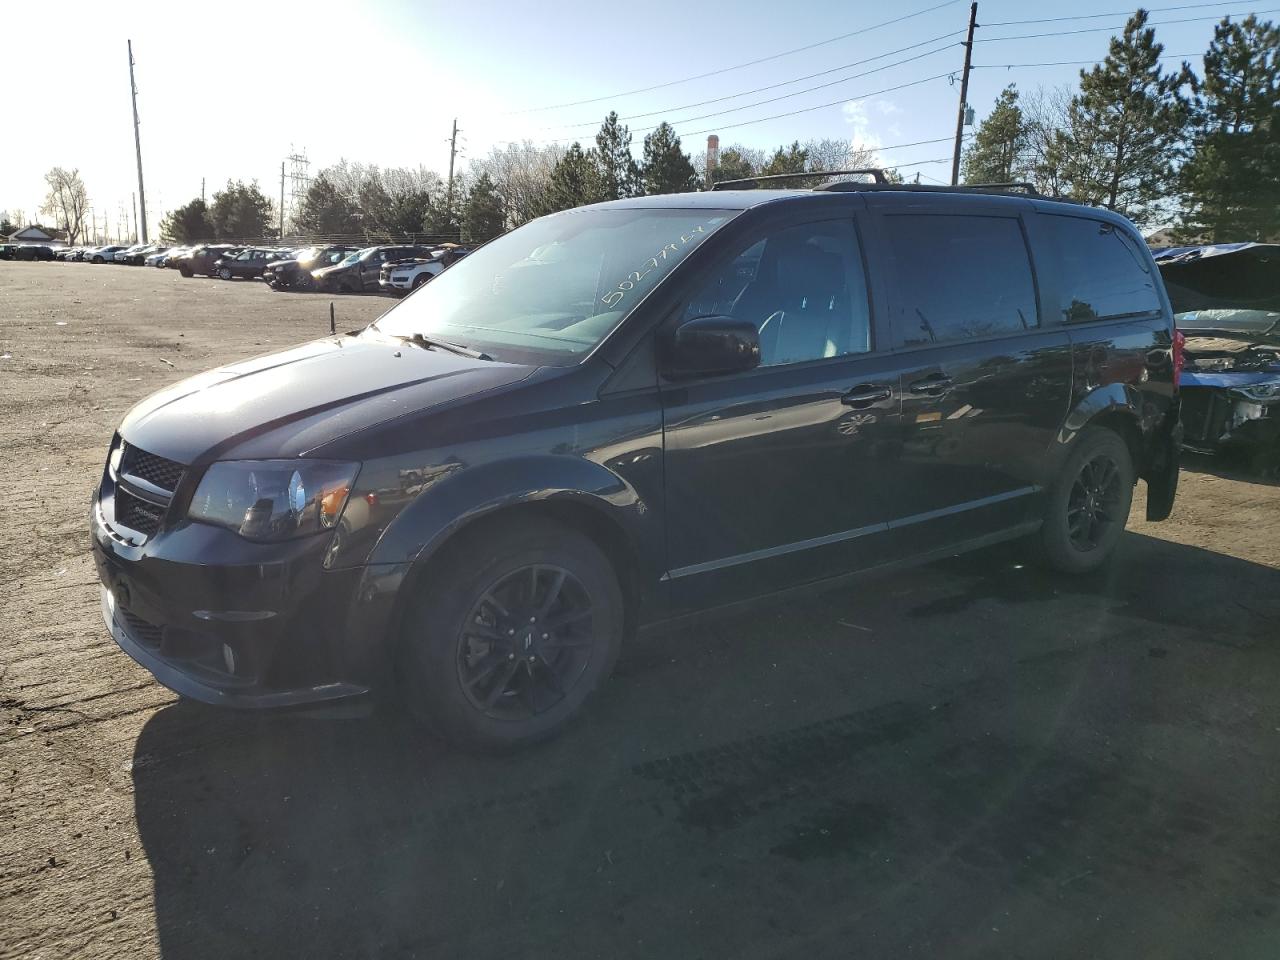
(395, 269)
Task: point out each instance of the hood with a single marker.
(1226, 302)
(333, 268)
(284, 404)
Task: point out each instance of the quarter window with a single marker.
(804, 289)
(958, 278)
(1104, 274)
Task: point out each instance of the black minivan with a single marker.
(631, 413)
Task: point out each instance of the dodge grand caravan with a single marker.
(627, 414)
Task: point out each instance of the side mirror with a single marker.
(705, 346)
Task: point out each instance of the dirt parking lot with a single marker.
(973, 759)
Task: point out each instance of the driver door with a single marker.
(772, 475)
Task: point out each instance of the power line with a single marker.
(1069, 63)
(1162, 23)
(820, 106)
(740, 66)
(797, 93)
(1093, 16)
(783, 83)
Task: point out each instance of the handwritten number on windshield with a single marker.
(615, 296)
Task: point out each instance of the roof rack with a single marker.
(877, 173)
(845, 186)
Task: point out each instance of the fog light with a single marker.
(229, 658)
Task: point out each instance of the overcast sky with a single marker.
(226, 91)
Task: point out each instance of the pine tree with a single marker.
(240, 212)
(734, 163)
(1231, 183)
(187, 224)
(617, 173)
(324, 210)
(997, 152)
(1125, 127)
(666, 168)
(483, 214)
(792, 159)
(575, 181)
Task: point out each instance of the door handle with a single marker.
(937, 386)
(866, 395)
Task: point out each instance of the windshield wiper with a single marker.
(446, 345)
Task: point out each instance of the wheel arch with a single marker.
(1116, 407)
(577, 493)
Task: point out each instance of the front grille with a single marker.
(145, 632)
(158, 471)
(136, 513)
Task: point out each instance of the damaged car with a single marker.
(1226, 301)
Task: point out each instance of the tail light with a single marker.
(1179, 341)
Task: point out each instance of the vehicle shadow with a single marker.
(976, 757)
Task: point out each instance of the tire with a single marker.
(224, 273)
(419, 280)
(97, 259)
(478, 607)
(186, 272)
(1089, 503)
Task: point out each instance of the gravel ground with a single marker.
(970, 759)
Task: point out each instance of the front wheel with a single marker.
(225, 273)
(1089, 504)
(511, 636)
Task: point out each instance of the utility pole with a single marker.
(453, 152)
(137, 142)
(134, 198)
(280, 236)
(202, 189)
(964, 93)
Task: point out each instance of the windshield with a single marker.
(553, 289)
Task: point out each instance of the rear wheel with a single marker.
(512, 637)
(1089, 505)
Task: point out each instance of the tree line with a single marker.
(513, 184)
(1159, 146)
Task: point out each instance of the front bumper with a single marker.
(1219, 415)
(232, 623)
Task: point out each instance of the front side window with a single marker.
(553, 289)
(958, 278)
(1104, 274)
(804, 289)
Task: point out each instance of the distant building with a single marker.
(32, 235)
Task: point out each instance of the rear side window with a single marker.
(958, 278)
(1103, 273)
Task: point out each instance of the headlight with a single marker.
(1267, 390)
(273, 499)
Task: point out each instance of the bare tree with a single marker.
(67, 201)
(829, 154)
(1046, 114)
(521, 173)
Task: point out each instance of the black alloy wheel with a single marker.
(1087, 507)
(509, 633)
(526, 642)
(1093, 506)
